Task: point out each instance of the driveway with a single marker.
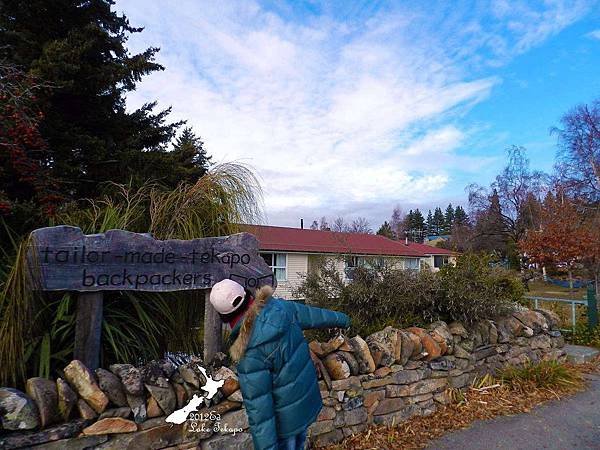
(571, 423)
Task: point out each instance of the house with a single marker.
(293, 252)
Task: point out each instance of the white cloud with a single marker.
(335, 115)
(594, 34)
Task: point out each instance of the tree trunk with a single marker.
(571, 282)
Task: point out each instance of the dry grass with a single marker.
(486, 399)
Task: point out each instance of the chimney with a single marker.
(406, 240)
(302, 224)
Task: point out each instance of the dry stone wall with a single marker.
(387, 377)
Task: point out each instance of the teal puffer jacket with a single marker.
(277, 376)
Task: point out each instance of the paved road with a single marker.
(572, 423)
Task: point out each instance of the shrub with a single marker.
(584, 335)
(381, 296)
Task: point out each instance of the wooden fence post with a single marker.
(213, 330)
(88, 329)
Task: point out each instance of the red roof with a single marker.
(316, 241)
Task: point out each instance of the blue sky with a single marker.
(350, 108)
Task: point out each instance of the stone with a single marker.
(388, 405)
(410, 376)
(316, 348)
(541, 341)
(386, 341)
(224, 373)
(347, 383)
(441, 328)
(112, 387)
(377, 350)
(532, 319)
(460, 352)
(421, 399)
(241, 441)
(236, 396)
(351, 360)
(84, 383)
(67, 399)
(323, 426)
(355, 416)
(336, 366)
(110, 425)
(372, 397)
(458, 329)
(43, 392)
(354, 429)
(353, 403)
(439, 339)
(484, 352)
(411, 365)
(85, 411)
(580, 354)
(407, 347)
(332, 345)
(234, 420)
(382, 372)
(164, 396)
(230, 386)
(429, 345)
(130, 377)
(460, 381)
(551, 317)
(327, 413)
(181, 394)
(509, 327)
(44, 437)
(493, 332)
(137, 403)
(443, 363)
(418, 388)
(363, 356)
(17, 410)
(397, 417)
(124, 412)
(377, 382)
(442, 397)
(152, 408)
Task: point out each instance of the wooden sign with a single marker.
(121, 260)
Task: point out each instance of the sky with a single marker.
(349, 108)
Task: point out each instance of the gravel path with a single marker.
(572, 423)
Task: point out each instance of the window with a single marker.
(411, 263)
(278, 264)
(439, 261)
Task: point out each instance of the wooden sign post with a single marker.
(118, 260)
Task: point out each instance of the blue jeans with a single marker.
(295, 442)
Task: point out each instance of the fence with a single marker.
(589, 301)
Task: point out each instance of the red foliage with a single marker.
(24, 155)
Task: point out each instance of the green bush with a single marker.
(584, 335)
(381, 296)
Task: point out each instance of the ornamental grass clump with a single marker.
(542, 375)
(37, 330)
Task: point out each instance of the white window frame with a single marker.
(406, 261)
(274, 266)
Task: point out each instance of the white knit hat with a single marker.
(225, 294)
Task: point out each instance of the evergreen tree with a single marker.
(79, 48)
(386, 230)
(448, 219)
(429, 224)
(438, 221)
(490, 230)
(189, 157)
(460, 216)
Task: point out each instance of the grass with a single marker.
(487, 398)
(540, 288)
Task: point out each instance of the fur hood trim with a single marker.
(261, 298)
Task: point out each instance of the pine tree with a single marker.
(386, 230)
(460, 216)
(190, 158)
(418, 226)
(438, 221)
(448, 219)
(79, 48)
(429, 224)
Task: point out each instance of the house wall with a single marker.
(297, 265)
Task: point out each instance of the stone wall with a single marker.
(387, 377)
